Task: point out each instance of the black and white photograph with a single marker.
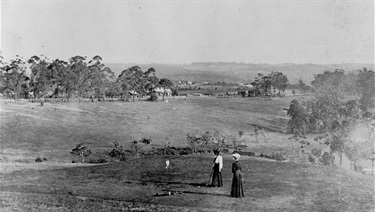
(187, 105)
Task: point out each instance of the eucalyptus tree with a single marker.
(42, 79)
(299, 118)
(131, 80)
(63, 78)
(165, 83)
(365, 87)
(100, 76)
(151, 82)
(13, 76)
(278, 81)
(79, 75)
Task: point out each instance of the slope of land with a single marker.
(28, 130)
(141, 185)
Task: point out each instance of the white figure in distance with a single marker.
(167, 164)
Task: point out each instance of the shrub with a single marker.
(100, 160)
(316, 157)
(81, 151)
(327, 159)
(136, 145)
(38, 160)
(153, 97)
(279, 156)
(118, 152)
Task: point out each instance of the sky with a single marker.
(322, 32)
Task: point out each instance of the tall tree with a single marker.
(151, 81)
(365, 85)
(13, 76)
(100, 77)
(299, 119)
(80, 75)
(131, 79)
(64, 78)
(278, 81)
(42, 77)
(331, 86)
(165, 83)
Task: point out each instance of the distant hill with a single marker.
(237, 72)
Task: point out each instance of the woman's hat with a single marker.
(236, 156)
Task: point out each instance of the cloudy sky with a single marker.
(190, 31)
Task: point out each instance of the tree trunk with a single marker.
(163, 93)
(372, 168)
(340, 158)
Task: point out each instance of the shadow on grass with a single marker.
(144, 182)
(171, 192)
(204, 193)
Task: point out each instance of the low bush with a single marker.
(100, 160)
(118, 152)
(81, 151)
(316, 157)
(38, 160)
(279, 156)
(173, 151)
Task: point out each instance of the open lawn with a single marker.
(268, 186)
(29, 130)
(52, 130)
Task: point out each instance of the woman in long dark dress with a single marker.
(217, 179)
(237, 188)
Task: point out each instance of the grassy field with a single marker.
(54, 129)
(29, 130)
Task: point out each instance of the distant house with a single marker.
(205, 83)
(189, 83)
(133, 92)
(248, 86)
(159, 91)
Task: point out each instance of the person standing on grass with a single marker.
(217, 179)
(237, 188)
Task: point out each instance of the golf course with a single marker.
(142, 182)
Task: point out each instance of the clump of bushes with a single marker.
(118, 152)
(100, 160)
(279, 156)
(138, 145)
(81, 151)
(173, 151)
(316, 157)
(199, 143)
(39, 159)
(153, 97)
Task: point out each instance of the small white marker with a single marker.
(167, 164)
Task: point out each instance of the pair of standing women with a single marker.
(217, 180)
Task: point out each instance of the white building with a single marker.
(160, 91)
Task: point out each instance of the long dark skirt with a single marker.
(217, 179)
(237, 189)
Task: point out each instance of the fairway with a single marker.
(29, 130)
(48, 129)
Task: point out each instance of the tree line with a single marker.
(339, 113)
(76, 77)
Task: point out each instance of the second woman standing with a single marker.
(217, 179)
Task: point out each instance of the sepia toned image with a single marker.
(168, 105)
